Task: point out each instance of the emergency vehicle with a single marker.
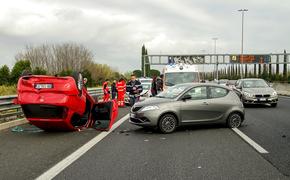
(180, 73)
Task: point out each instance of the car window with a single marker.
(217, 92)
(197, 93)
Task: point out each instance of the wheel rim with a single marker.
(235, 120)
(168, 124)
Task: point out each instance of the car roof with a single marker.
(191, 85)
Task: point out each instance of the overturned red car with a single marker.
(63, 103)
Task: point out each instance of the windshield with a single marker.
(172, 79)
(254, 84)
(173, 92)
(146, 86)
(145, 80)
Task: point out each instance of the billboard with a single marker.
(255, 59)
(195, 59)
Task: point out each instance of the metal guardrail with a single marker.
(10, 111)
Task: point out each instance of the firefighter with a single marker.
(121, 89)
(106, 91)
(134, 88)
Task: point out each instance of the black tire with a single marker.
(78, 77)
(167, 123)
(234, 120)
(274, 105)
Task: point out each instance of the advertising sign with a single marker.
(186, 59)
(255, 59)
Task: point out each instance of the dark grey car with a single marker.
(256, 91)
(186, 104)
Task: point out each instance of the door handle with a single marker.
(205, 103)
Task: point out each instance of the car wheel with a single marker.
(234, 120)
(78, 77)
(274, 105)
(167, 123)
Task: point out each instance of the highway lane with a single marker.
(197, 152)
(270, 128)
(27, 154)
(130, 152)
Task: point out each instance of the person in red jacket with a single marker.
(121, 89)
(106, 91)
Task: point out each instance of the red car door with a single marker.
(104, 114)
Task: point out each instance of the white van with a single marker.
(180, 73)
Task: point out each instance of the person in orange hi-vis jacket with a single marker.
(121, 88)
(106, 91)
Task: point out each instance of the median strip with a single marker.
(12, 123)
(59, 167)
(250, 141)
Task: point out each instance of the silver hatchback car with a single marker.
(187, 104)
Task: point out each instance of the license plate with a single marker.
(262, 99)
(43, 86)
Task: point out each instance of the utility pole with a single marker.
(242, 46)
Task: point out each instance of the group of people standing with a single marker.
(119, 89)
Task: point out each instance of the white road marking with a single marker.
(250, 141)
(56, 169)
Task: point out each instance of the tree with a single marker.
(154, 72)
(137, 73)
(66, 72)
(57, 57)
(4, 75)
(127, 75)
(143, 50)
(39, 71)
(18, 68)
(87, 74)
(285, 66)
(255, 70)
(147, 66)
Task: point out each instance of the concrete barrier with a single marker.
(282, 88)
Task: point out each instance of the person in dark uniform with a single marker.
(134, 88)
(154, 86)
(114, 89)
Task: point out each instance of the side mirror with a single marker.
(238, 87)
(185, 97)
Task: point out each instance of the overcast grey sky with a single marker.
(116, 30)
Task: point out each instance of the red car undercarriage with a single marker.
(63, 103)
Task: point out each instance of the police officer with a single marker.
(134, 88)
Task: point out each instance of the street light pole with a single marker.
(242, 46)
(217, 72)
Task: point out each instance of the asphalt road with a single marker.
(197, 152)
(27, 154)
(131, 152)
(270, 127)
